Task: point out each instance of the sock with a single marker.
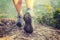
(29, 10)
(19, 18)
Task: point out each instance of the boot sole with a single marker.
(28, 23)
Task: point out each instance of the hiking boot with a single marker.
(28, 28)
(19, 21)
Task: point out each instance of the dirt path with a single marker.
(41, 32)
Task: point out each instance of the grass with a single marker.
(8, 8)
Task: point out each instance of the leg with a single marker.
(28, 17)
(18, 5)
(30, 5)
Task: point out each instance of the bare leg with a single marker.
(18, 5)
(30, 5)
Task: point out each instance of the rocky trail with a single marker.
(41, 32)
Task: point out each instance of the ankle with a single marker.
(31, 12)
(28, 10)
(20, 15)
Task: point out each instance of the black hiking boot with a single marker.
(19, 21)
(28, 23)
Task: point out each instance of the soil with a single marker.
(40, 32)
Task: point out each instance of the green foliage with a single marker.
(7, 7)
(45, 19)
(57, 19)
(51, 19)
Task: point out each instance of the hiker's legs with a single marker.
(18, 5)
